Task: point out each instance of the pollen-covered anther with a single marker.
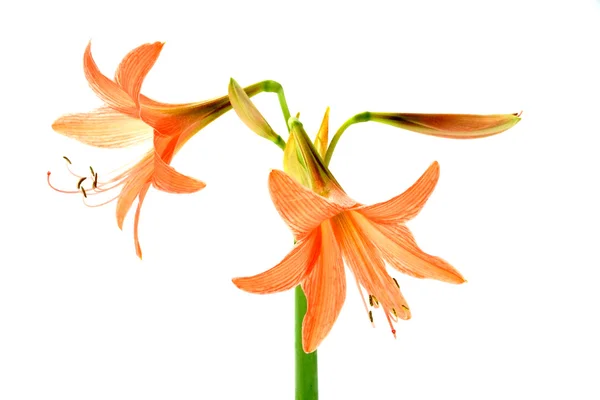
(394, 312)
(373, 301)
(371, 316)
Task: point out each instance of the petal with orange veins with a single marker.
(366, 262)
(110, 92)
(139, 176)
(167, 179)
(103, 127)
(325, 290)
(408, 204)
(135, 66)
(323, 136)
(301, 208)
(289, 272)
(454, 126)
(400, 250)
(141, 197)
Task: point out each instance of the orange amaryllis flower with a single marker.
(129, 118)
(331, 228)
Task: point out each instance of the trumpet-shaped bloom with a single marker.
(129, 118)
(331, 228)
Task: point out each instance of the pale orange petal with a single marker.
(323, 135)
(140, 175)
(400, 250)
(141, 197)
(289, 272)
(454, 126)
(301, 209)
(135, 66)
(103, 127)
(107, 90)
(407, 205)
(325, 290)
(366, 262)
(168, 180)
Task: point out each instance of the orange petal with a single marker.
(107, 90)
(365, 261)
(135, 66)
(168, 180)
(289, 272)
(140, 175)
(455, 126)
(103, 127)
(400, 250)
(325, 290)
(323, 135)
(408, 204)
(302, 209)
(142, 196)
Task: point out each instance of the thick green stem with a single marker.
(307, 385)
(362, 117)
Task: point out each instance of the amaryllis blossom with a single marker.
(129, 118)
(330, 228)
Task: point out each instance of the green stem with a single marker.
(307, 385)
(362, 117)
(275, 87)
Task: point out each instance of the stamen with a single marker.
(371, 300)
(406, 308)
(362, 297)
(80, 182)
(396, 282)
(92, 169)
(66, 158)
(371, 316)
(84, 193)
(95, 183)
(60, 190)
(101, 204)
(394, 312)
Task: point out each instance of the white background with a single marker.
(82, 318)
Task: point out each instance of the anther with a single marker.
(394, 312)
(375, 301)
(80, 182)
(396, 282)
(406, 308)
(95, 183)
(371, 315)
(83, 191)
(92, 170)
(371, 300)
(66, 158)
